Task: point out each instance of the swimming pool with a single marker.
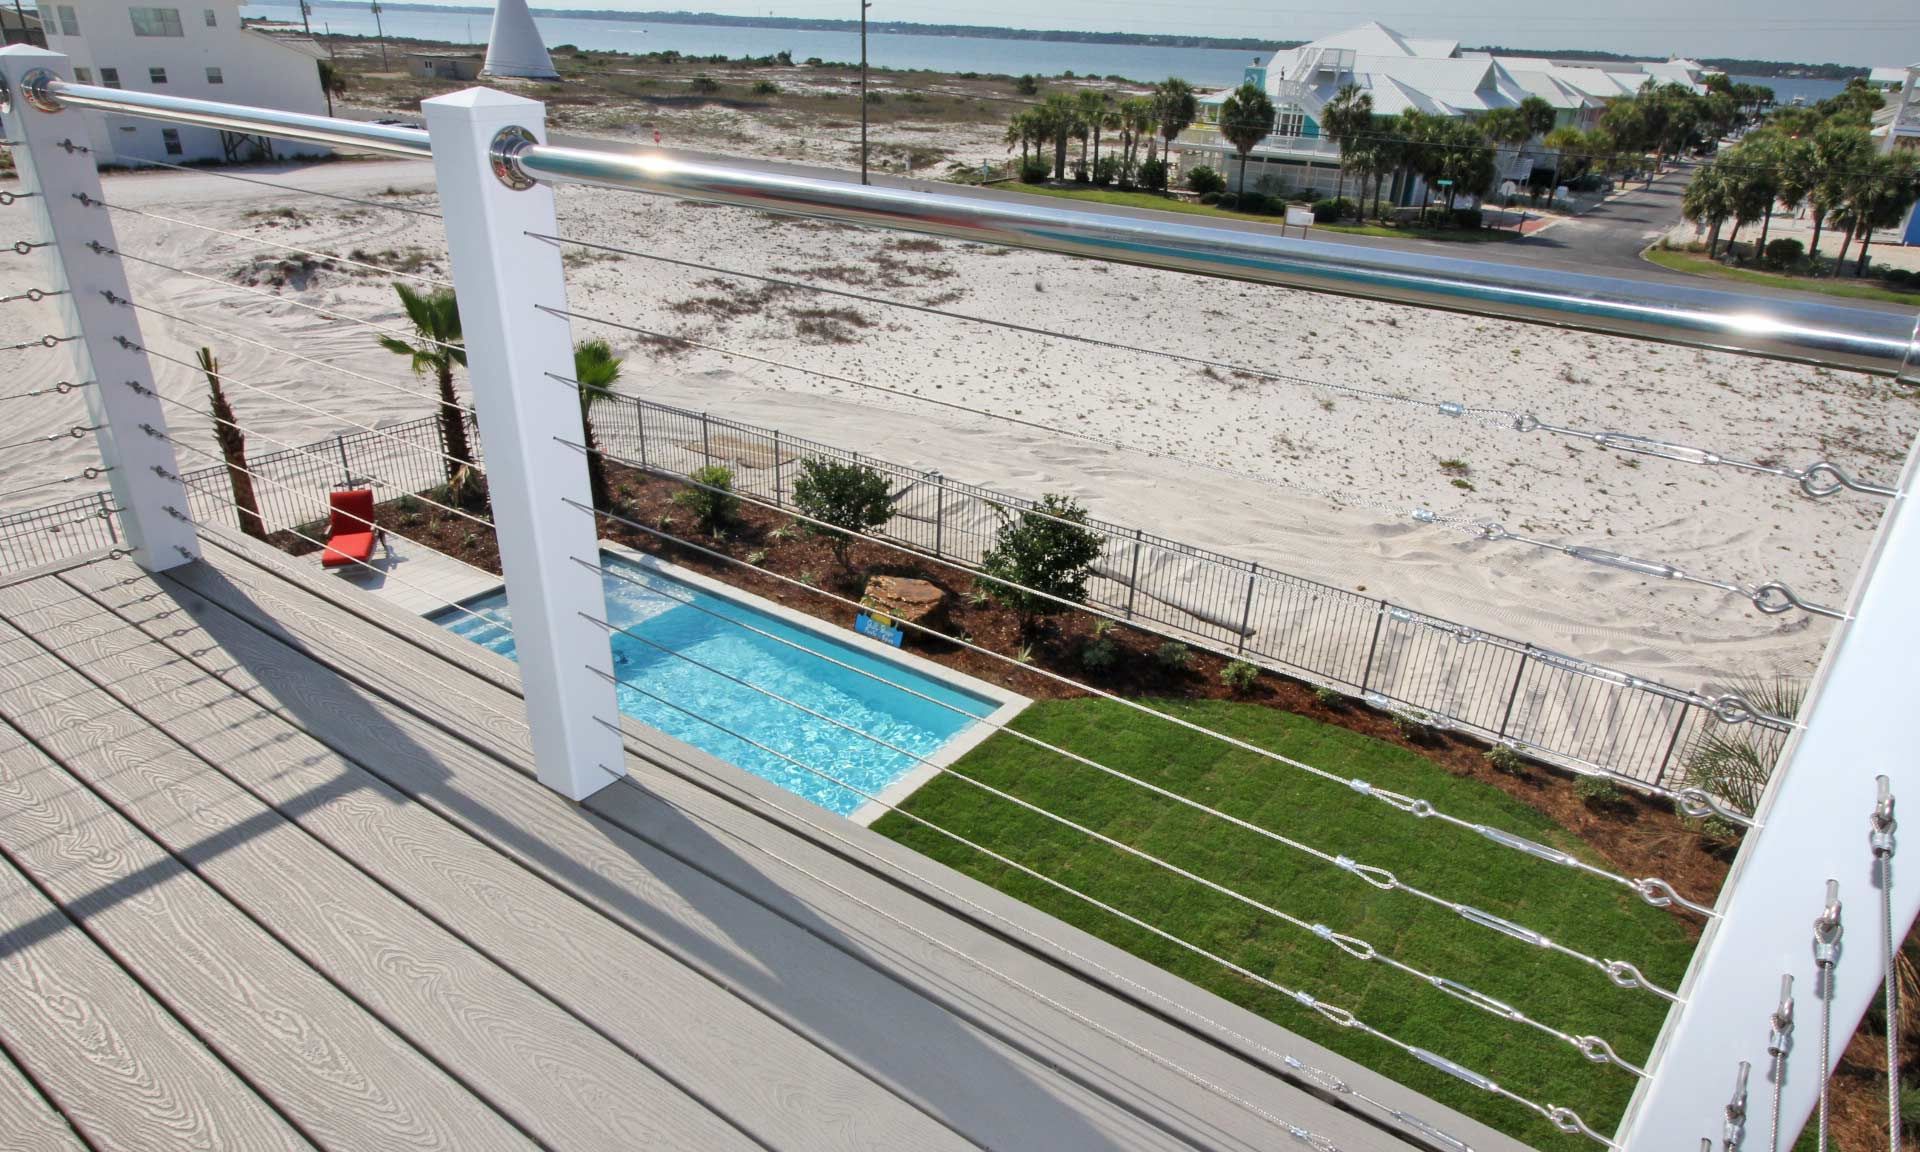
(685, 615)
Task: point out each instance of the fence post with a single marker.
(1513, 696)
(640, 420)
(106, 513)
(939, 511)
(1813, 822)
(1246, 613)
(1679, 726)
(130, 426)
(346, 468)
(778, 471)
(1379, 617)
(1133, 576)
(706, 439)
(504, 277)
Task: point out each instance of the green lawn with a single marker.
(1157, 202)
(1698, 264)
(1583, 912)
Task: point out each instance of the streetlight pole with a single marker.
(864, 5)
(380, 31)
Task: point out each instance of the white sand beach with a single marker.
(1337, 475)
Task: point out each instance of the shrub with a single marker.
(1598, 792)
(1728, 761)
(1035, 170)
(1228, 200)
(1900, 277)
(1504, 758)
(1099, 653)
(1028, 85)
(1080, 173)
(1785, 252)
(1254, 202)
(1209, 197)
(1469, 218)
(1204, 180)
(1329, 211)
(1107, 170)
(1047, 549)
(713, 505)
(1409, 725)
(1153, 175)
(1173, 656)
(704, 84)
(1329, 697)
(1239, 677)
(851, 497)
(765, 88)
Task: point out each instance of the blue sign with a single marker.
(1255, 75)
(868, 626)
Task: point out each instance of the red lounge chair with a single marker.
(351, 534)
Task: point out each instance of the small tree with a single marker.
(1246, 118)
(233, 446)
(595, 369)
(711, 500)
(851, 497)
(1045, 550)
(438, 346)
(1177, 109)
(333, 83)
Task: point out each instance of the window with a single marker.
(110, 77)
(212, 22)
(157, 75)
(69, 21)
(214, 77)
(84, 75)
(48, 21)
(156, 22)
(171, 138)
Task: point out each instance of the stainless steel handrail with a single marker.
(1883, 343)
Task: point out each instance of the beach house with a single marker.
(203, 52)
(1401, 73)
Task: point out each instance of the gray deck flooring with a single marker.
(274, 873)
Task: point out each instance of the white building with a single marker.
(1401, 72)
(201, 52)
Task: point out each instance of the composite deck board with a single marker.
(915, 942)
(890, 1010)
(334, 1069)
(560, 1079)
(773, 1082)
(28, 1120)
(125, 1071)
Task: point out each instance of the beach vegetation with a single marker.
(1040, 557)
(1239, 676)
(1173, 655)
(595, 371)
(1204, 179)
(711, 500)
(851, 499)
(437, 347)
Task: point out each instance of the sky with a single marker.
(1859, 32)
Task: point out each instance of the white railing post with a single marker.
(1813, 828)
(57, 168)
(527, 420)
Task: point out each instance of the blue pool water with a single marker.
(654, 606)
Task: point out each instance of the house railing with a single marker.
(1818, 839)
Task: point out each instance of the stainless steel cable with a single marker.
(92, 473)
(1379, 878)
(1880, 838)
(33, 295)
(242, 237)
(1565, 1119)
(77, 432)
(1826, 952)
(303, 452)
(296, 190)
(1593, 1048)
(1818, 479)
(1733, 1130)
(1771, 597)
(60, 389)
(407, 334)
(1693, 800)
(432, 397)
(1779, 1039)
(1656, 892)
(1449, 408)
(47, 341)
(318, 411)
(1420, 514)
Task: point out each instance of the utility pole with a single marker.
(306, 11)
(864, 5)
(381, 32)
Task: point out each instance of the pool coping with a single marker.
(1009, 703)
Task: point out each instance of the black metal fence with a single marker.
(1557, 707)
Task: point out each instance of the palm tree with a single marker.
(1176, 107)
(1836, 155)
(1059, 114)
(1894, 188)
(1540, 116)
(233, 448)
(333, 82)
(595, 369)
(1246, 118)
(1348, 114)
(1708, 200)
(1091, 107)
(1505, 127)
(437, 347)
(1136, 121)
